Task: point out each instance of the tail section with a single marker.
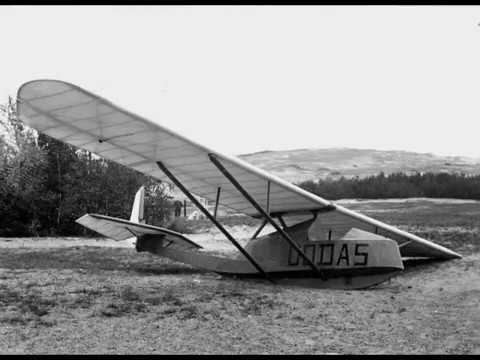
(137, 215)
(148, 237)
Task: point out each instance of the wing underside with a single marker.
(68, 113)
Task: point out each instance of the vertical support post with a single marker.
(184, 208)
(194, 200)
(268, 197)
(216, 202)
(255, 204)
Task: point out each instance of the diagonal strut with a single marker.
(287, 237)
(211, 218)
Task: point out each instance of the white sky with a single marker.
(245, 79)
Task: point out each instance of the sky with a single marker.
(241, 79)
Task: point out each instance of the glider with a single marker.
(316, 242)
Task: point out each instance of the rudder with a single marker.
(138, 207)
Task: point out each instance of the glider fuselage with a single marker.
(357, 260)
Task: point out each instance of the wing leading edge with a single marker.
(75, 116)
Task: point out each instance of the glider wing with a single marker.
(75, 116)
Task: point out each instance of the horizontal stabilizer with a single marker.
(120, 229)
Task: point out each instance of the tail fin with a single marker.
(137, 215)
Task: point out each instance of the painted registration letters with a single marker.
(326, 254)
(364, 255)
(343, 255)
(336, 254)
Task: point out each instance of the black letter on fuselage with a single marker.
(364, 254)
(322, 251)
(292, 257)
(342, 256)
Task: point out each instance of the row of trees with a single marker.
(45, 184)
(398, 185)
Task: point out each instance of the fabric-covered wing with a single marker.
(77, 117)
(72, 115)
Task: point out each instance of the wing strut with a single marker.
(211, 217)
(266, 216)
(216, 202)
(282, 221)
(259, 229)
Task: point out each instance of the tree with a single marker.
(46, 184)
(398, 185)
(22, 174)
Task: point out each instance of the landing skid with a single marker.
(340, 283)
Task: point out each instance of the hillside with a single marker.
(310, 164)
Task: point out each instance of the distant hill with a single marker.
(311, 164)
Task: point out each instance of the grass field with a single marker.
(89, 299)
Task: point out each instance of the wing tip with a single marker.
(46, 80)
